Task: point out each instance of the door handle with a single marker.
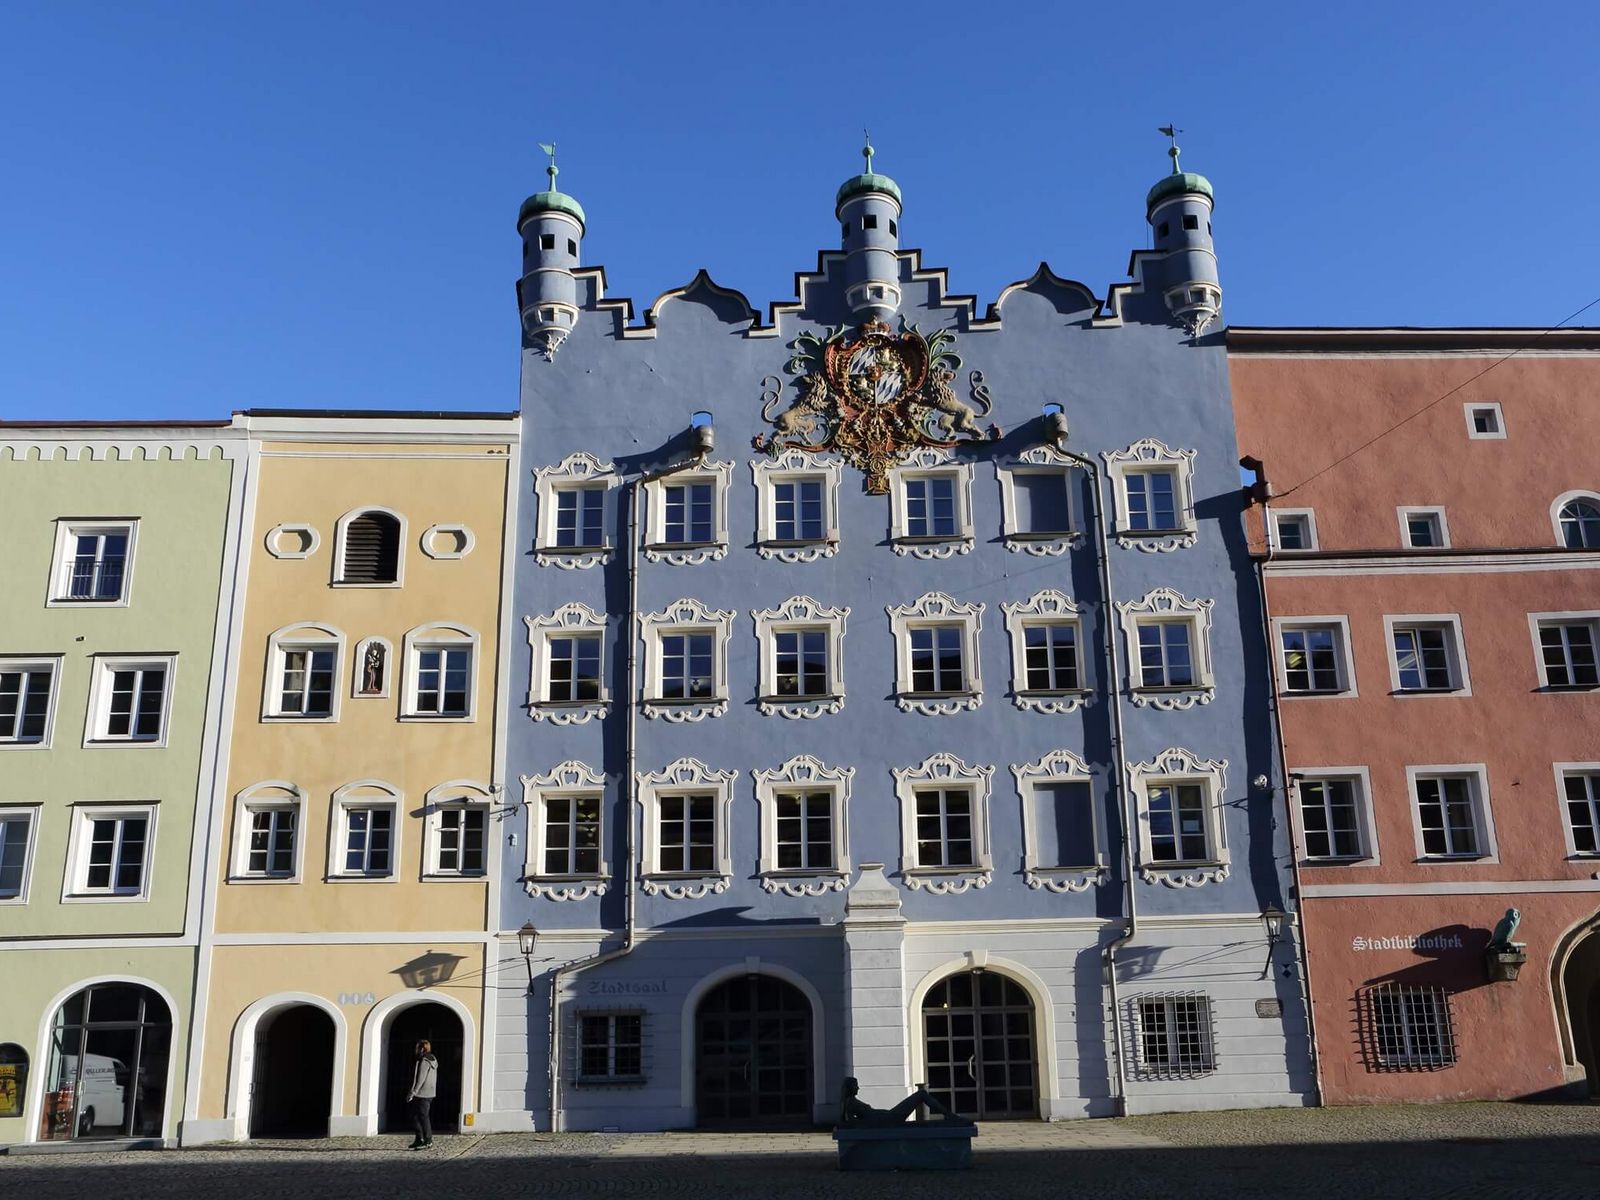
(971, 1058)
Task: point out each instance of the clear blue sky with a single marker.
(210, 206)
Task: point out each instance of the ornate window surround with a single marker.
(468, 539)
(269, 793)
(1050, 606)
(787, 466)
(686, 616)
(1164, 604)
(923, 463)
(439, 635)
(685, 554)
(1147, 453)
(944, 770)
(936, 608)
(1059, 766)
(1177, 765)
(1038, 460)
(574, 618)
(804, 772)
(302, 635)
(797, 613)
(682, 777)
(570, 778)
(580, 468)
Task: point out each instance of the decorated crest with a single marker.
(872, 396)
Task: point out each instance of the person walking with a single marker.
(424, 1086)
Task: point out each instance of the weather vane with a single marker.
(550, 149)
(866, 151)
(1172, 132)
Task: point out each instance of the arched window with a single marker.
(369, 548)
(1580, 524)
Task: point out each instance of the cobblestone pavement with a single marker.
(1459, 1152)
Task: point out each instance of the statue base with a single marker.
(1504, 965)
(915, 1146)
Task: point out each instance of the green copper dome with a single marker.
(1177, 184)
(543, 202)
(869, 182)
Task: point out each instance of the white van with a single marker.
(102, 1091)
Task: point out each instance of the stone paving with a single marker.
(1454, 1152)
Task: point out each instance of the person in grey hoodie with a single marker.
(424, 1086)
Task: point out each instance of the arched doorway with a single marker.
(291, 1090)
(107, 1075)
(977, 1029)
(753, 1054)
(438, 1025)
(1580, 987)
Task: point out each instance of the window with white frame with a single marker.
(930, 506)
(567, 686)
(1566, 645)
(268, 832)
(687, 854)
(1335, 815)
(797, 505)
(1047, 672)
(1424, 528)
(1182, 834)
(369, 548)
(365, 841)
(1425, 654)
(566, 832)
(1168, 643)
(111, 852)
(1411, 1026)
(1314, 656)
(802, 658)
(1174, 1033)
(936, 654)
(573, 528)
(1577, 521)
(16, 852)
(1452, 811)
(1060, 823)
(304, 672)
(1036, 498)
(458, 835)
(804, 828)
(1484, 421)
(441, 673)
(1153, 491)
(944, 824)
(93, 561)
(687, 515)
(27, 700)
(686, 661)
(129, 698)
(1294, 530)
(1580, 796)
(610, 1047)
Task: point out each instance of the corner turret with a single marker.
(551, 224)
(1179, 210)
(868, 208)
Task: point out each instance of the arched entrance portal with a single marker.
(753, 1054)
(438, 1025)
(291, 1091)
(977, 1028)
(107, 1075)
(1580, 985)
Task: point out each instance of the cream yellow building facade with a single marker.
(351, 867)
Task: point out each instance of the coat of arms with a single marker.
(873, 396)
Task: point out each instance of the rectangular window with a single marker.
(1424, 529)
(95, 569)
(24, 701)
(801, 667)
(135, 698)
(113, 861)
(272, 834)
(1448, 816)
(944, 828)
(574, 668)
(1175, 1034)
(1484, 421)
(688, 827)
(805, 831)
(580, 518)
(1178, 822)
(1152, 500)
(306, 686)
(1581, 791)
(572, 835)
(686, 666)
(1294, 531)
(931, 506)
(1064, 823)
(1411, 1026)
(1330, 816)
(443, 675)
(1423, 659)
(1051, 656)
(16, 831)
(460, 844)
(797, 506)
(368, 840)
(1311, 659)
(689, 512)
(1042, 506)
(936, 659)
(1166, 656)
(610, 1047)
(1567, 648)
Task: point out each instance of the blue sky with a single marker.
(211, 206)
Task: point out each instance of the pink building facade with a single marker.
(1428, 528)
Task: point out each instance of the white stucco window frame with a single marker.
(1455, 648)
(269, 794)
(1561, 771)
(569, 780)
(804, 773)
(275, 547)
(364, 793)
(948, 772)
(1058, 766)
(1344, 660)
(1561, 502)
(570, 620)
(27, 814)
(1039, 460)
(930, 609)
(67, 530)
(685, 616)
(74, 885)
(1537, 621)
(456, 795)
(1435, 512)
(358, 668)
(1164, 605)
(439, 635)
(1366, 821)
(685, 554)
(1470, 411)
(1176, 765)
(1477, 777)
(579, 469)
(1049, 606)
(100, 687)
(341, 529)
(302, 635)
(1152, 454)
(683, 777)
(929, 463)
(796, 614)
(36, 663)
(793, 466)
(1308, 521)
(468, 541)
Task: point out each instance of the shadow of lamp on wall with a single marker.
(428, 970)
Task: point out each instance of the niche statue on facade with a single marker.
(372, 670)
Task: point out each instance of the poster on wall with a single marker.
(13, 1079)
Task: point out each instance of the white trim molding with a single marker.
(1048, 607)
(463, 796)
(1049, 543)
(1308, 524)
(1435, 513)
(270, 795)
(1497, 420)
(1152, 454)
(800, 614)
(804, 773)
(26, 814)
(796, 466)
(685, 777)
(570, 780)
(1476, 776)
(945, 772)
(929, 463)
(305, 637)
(1344, 660)
(570, 621)
(364, 794)
(358, 669)
(341, 529)
(1561, 502)
(97, 718)
(1366, 824)
(1175, 766)
(310, 540)
(937, 609)
(75, 887)
(1581, 770)
(1455, 653)
(466, 541)
(579, 469)
(443, 636)
(1161, 606)
(1589, 620)
(31, 666)
(688, 553)
(62, 558)
(1058, 766)
(686, 616)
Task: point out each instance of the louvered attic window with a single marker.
(371, 549)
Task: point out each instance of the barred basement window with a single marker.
(610, 1047)
(1411, 1026)
(1174, 1033)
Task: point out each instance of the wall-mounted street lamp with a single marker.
(527, 938)
(1272, 919)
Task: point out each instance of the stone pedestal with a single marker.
(874, 986)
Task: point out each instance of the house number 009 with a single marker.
(357, 998)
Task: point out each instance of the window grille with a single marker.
(608, 1047)
(1172, 1035)
(1411, 1027)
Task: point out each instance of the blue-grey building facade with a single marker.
(897, 705)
